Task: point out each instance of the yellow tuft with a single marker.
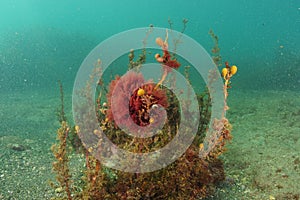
(201, 146)
(97, 132)
(90, 149)
(77, 128)
(157, 55)
(140, 92)
(224, 72)
(271, 197)
(233, 70)
(151, 120)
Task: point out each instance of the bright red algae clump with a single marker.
(127, 98)
(168, 61)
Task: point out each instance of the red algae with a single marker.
(139, 105)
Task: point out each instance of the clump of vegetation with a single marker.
(189, 177)
(60, 151)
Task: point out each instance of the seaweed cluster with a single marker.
(189, 177)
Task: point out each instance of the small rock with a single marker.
(18, 147)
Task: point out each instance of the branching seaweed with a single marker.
(189, 177)
(61, 165)
(215, 50)
(61, 112)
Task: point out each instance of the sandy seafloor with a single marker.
(262, 161)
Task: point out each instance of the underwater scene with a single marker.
(142, 100)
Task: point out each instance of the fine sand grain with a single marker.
(262, 161)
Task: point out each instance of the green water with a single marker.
(45, 41)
